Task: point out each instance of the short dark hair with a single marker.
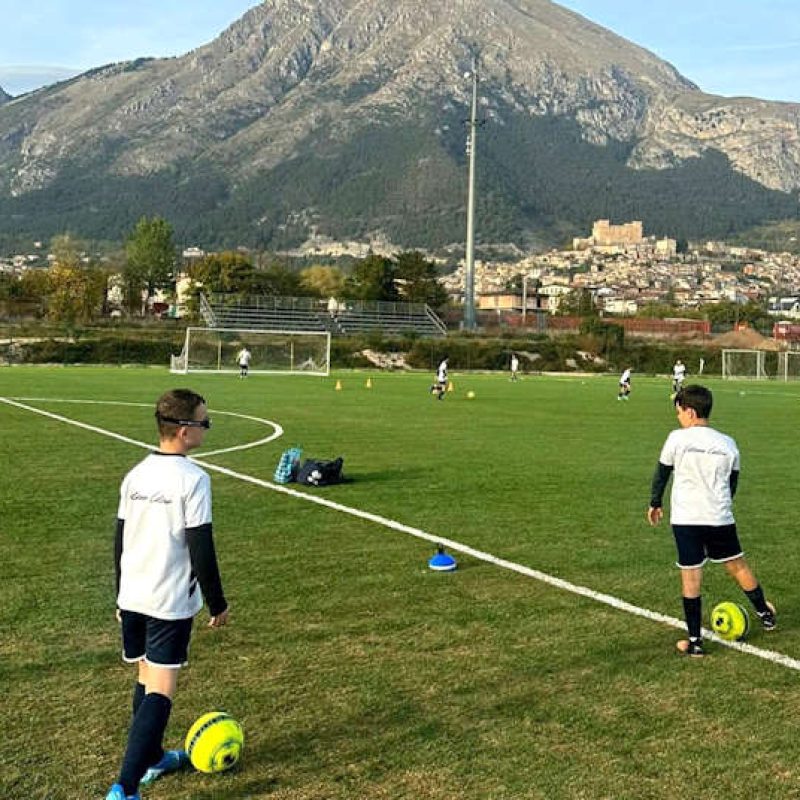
(697, 398)
(176, 404)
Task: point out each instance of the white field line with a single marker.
(276, 434)
(583, 591)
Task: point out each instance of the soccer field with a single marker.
(544, 667)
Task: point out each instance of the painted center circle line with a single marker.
(277, 430)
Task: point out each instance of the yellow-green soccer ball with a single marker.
(730, 621)
(214, 743)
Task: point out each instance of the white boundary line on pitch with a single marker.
(276, 434)
(543, 577)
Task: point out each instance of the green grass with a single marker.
(355, 670)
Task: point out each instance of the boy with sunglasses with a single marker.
(166, 566)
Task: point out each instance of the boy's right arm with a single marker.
(660, 480)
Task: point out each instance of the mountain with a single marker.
(4, 96)
(346, 118)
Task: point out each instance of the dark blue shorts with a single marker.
(699, 543)
(163, 642)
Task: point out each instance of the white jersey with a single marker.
(441, 373)
(514, 363)
(160, 498)
(679, 372)
(244, 357)
(703, 459)
(625, 377)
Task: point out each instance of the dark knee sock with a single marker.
(692, 608)
(138, 696)
(144, 740)
(756, 597)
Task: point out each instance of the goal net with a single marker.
(789, 365)
(744, 365)
(275, 352)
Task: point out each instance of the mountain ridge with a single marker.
(294, 86)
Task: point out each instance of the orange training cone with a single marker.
(369, 383)
(338, 386)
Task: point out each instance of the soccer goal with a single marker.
(789, 365)
(744, 365)
(273, 352)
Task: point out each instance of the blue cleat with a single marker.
(116, 792)
(171, 761)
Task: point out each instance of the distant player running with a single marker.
(440, 384)
(624, 385)
(706, 467)
(514, 366)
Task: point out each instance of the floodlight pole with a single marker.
(524, 297)
(469, 276)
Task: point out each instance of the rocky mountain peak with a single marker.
(297, 88)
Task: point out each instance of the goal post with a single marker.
(789, 365)
(272, 352)
(744, 365)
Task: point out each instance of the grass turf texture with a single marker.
(356, 671)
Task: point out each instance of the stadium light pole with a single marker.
(469, 276)
(524, 298)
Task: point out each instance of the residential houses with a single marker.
(624, 270)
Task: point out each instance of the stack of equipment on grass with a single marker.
(288, 466)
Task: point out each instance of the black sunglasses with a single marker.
(189, 423)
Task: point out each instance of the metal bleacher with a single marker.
(340, 318)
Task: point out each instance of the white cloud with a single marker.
(18, 79)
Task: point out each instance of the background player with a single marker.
(440, 384)
(678, 376)
(243, 360)
(624, 385)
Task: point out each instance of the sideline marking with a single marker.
(583, 591)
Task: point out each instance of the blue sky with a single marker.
(729, 47)
(44, 40)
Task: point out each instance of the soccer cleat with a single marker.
(691, 647)
(116, 792)
(768, 618)
(171, 761)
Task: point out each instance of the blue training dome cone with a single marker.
(442, 562)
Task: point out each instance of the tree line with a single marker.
(80, 287)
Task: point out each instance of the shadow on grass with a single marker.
(385, 475)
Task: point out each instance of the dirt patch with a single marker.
(746, 339)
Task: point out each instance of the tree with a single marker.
(322, 281)
(150, 265)
(276, 280)
(76, 291)
(226, 272)
(578, 303)
(371, 280)
(418, 279)
(730, 313)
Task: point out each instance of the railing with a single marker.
(337, 316)
(207, 313)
